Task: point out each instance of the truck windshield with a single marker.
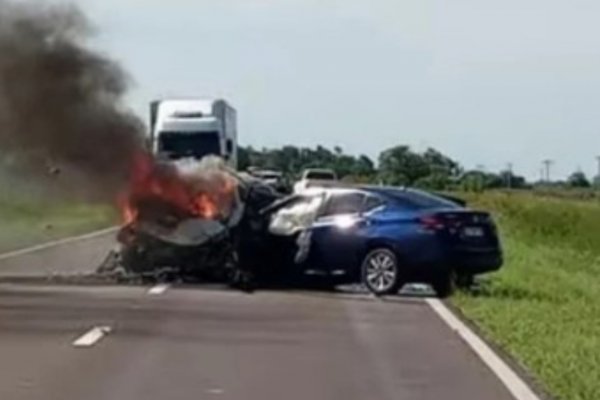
(189, 144)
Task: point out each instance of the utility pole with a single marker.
(547, 164)
(596, 180)
(509, 169)
(480, 176)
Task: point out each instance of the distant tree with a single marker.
(244, 158)
(401, 166)
(432, 170)
(292, 160)
(493, 181)
(472, 181)
(440, 164)
(578, 180)
(364, 166)
(477, 181)
(510, 180)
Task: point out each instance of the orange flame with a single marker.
(189, 195)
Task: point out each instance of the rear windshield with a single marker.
(269, 176)
(320, 176)
(419, 200)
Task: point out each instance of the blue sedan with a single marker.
(386, 237)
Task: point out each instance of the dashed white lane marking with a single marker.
(515, 385)
(158, 289)
(92, 336)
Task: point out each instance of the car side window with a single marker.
(344, 203)
(371, 203)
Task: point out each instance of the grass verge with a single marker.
(543, 307)
(26, 222)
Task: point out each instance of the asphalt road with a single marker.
(69, 257)
(208, 343)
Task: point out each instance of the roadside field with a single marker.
(28, 221)
(543, 307)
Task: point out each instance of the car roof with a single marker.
(343, 187)
(263, 172)
(389, 192)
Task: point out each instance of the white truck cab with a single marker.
(193, 129)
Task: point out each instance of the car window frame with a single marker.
(382, 203)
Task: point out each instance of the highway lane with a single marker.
(199, 343)
(75, 256)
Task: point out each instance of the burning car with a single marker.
(193, 219)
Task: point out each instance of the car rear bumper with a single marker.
(463, 262)
(476, 262)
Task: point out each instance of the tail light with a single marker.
(431, 223)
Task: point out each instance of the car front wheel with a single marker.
(381, 272)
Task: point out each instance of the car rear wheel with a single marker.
(381, 272)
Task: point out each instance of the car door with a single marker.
(336, 234)
(290, 228)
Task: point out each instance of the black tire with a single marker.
(380, 271)
(443, 284)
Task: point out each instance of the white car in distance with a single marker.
(315, 177)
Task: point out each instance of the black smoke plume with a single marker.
(61, 106)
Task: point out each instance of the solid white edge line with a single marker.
(92, 336)
(54, 243)
(515, 385)
(159, 289)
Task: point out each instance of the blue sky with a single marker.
(486, 82)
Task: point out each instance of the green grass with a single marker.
(27, 221)
(544, 306)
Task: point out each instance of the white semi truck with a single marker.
(193, 129)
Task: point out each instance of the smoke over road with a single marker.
(62, 115)
(61, 102)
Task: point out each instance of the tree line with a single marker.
(398, 166)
